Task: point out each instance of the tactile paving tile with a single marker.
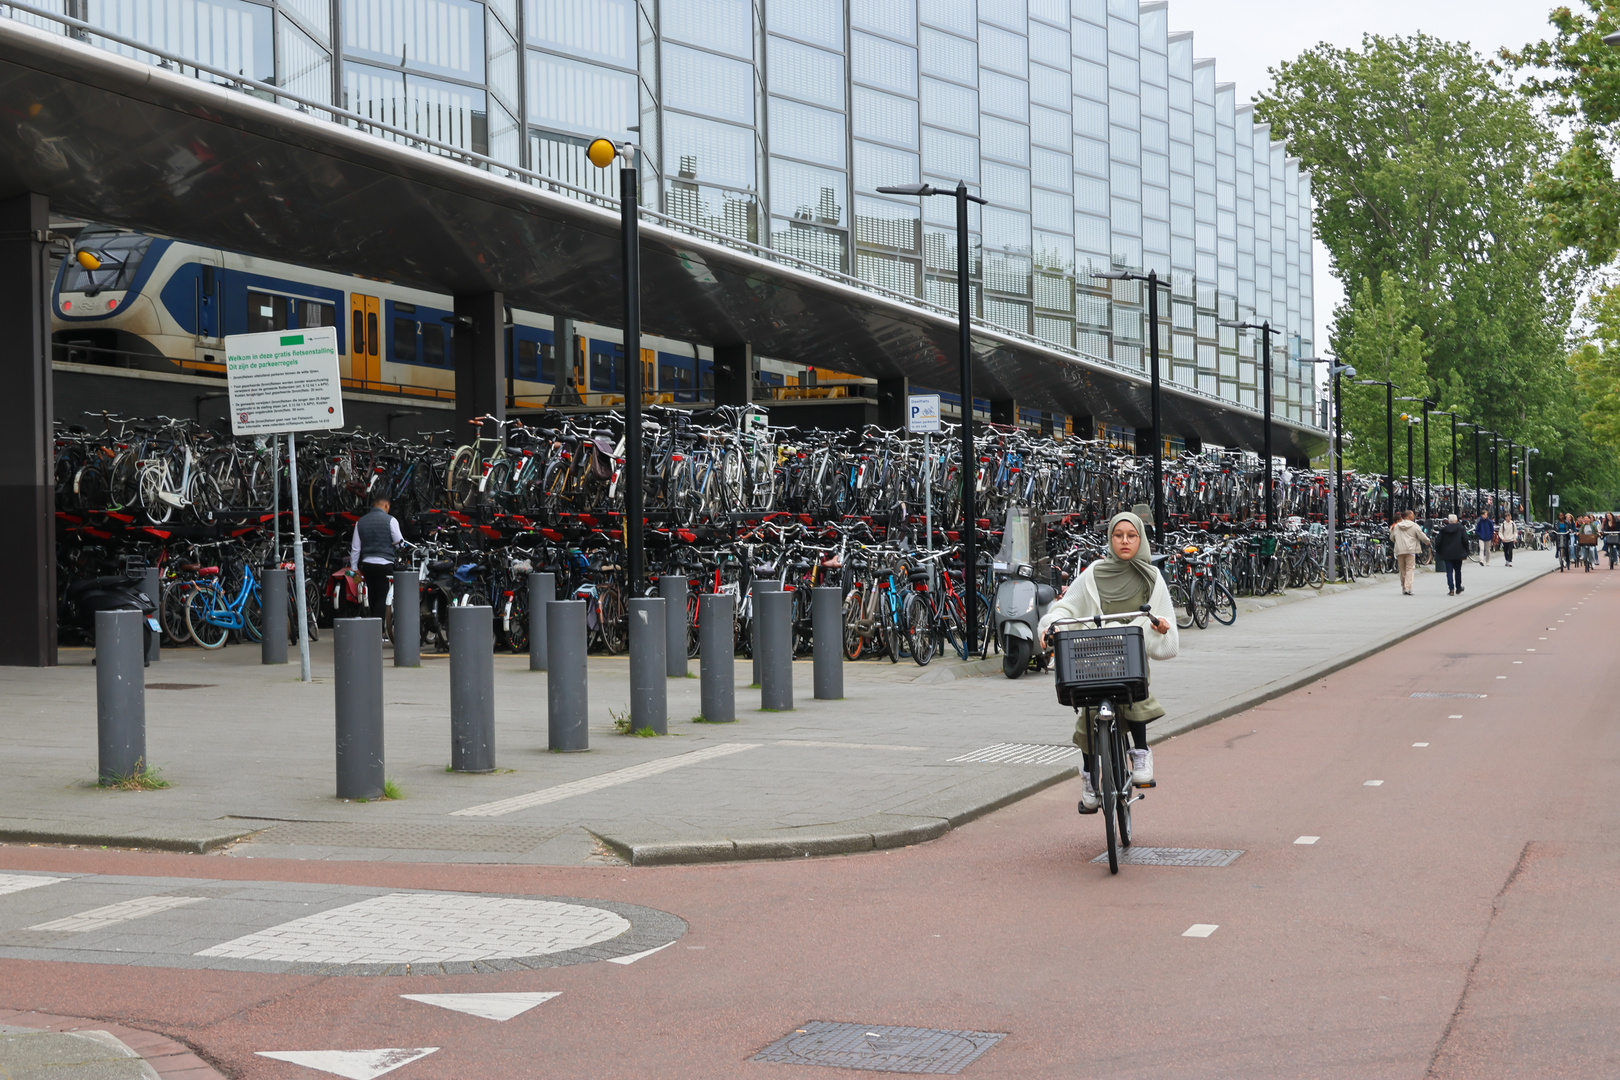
(880, 1049)
(1174, 856)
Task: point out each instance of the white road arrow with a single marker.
(353, 1064)
(488, 1006)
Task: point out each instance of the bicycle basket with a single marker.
(1103, 662)
(1268, 546)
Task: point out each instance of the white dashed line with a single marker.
(597, 783)
(113, 914)
(1420, 744)
(1200, 930)
(1503, 676)
(1455, 716)
(1373, 783)
(1307, 840)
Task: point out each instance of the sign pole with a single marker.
(928, 493)
(275, 492)
(298, 560)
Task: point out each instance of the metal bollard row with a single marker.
(120, 694)
(407, 618)
(649, 700)
(472, 689)
(717, 657)
(358, 689)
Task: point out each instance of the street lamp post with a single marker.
(1335, 489)
(1153, 283)
(1411, 428)
(1389, 440)
(1428, 407)
(1265, 357)
(964, 342)
(602, 153)
(1524, 474)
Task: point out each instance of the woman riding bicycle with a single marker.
(1122, 581)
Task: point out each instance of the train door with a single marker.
(365, 333)
(208, 305)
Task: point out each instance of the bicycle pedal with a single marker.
(1150, 783)
(1093, 810)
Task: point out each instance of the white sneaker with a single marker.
(1089, 799)
(1142, 768)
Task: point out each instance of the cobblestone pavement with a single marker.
(249, 750)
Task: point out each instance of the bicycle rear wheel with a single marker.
(203, 632)
(1220, 602)
(920, 629)
(173, 613)
(1198, 604)
(1102, 744)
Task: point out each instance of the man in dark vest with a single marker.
(376, 536)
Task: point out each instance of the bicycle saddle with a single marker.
(1045, 594)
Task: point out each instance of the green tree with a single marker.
(1596, 363)
(1379, 338)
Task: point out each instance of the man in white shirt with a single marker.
(376, 537)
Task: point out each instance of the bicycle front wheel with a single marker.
(920, 629)
(205, 633)
(1102, 745)
(1222, 605)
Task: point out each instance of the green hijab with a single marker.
(1123, 585)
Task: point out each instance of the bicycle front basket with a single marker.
(1104, 662)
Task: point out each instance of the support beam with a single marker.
(891, 397)
(733, 374)
(480, 357)
(27, 443)
(1003, 411)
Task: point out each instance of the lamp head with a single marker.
(87, 260)
(908, 189)
(601, 152)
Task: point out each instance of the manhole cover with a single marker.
(179, 685)
(1174, 856)
(1019, 754)
(1444, 693)
(880, 1049)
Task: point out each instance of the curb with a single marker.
(167, 1058)
(197, 842)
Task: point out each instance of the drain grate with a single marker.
(1174, 856)
(1444, 693)
(880, 1049)
(179, 685)
(1011, 753)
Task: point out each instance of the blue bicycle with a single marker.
(211, 614)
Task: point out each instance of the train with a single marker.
(136, 300)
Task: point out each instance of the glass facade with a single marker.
(1097, 136)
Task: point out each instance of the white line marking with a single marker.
(1532, 650)
(10, 883)
(1200, 929)
(1501, 676)
(500, 1007)
(1420, 744)
(1373, 783)
(1307, 840)
(353, 1064)
(633, 957)
(597, 783)
(113, 914)
(841, 745)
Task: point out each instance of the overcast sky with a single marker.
(1246, 37)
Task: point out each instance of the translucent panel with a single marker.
(1204, 237)
(1049, 45)
(948, 105)
(431, 35)
(506, 9)
(1055, 252)
(1051, 210)
(1155, 136)
(1005, 186)
(806, 193)
(827, 248)
(1155, 69)
(1091, 194)
(1124, 109)
(818, 21)
(1090, 79)
(1003, 95)
(704, 83)
(1181, 162)
(1090, 118)
(1048, 86)
(1181, 250)
(1156, 169)
(505, 135)
(1010, 14)
(1051, 169)
(882, 166)
(1095, 11)
(1224, 195)
(1181, 96)
(1156, 202)
(1204, 177)
(887, 224)
(1124, 144)
(1123, 73)
(1155, 102)
(1090, 156)
(503, 60)
(705, 150)
(1003, 51)
(1005, 140)
(306, 68)
(730, 213)
(1055, 12)
(1181, 220)
(1126, 215)
(1122, 37)
(949, 57)
(884, 118)
(1005, 230)
(227, 34)
(583, 29)
(1204, 118)
(813, 75)
(722, 25)
(436, 110)
(1090, 42)
(1091, 233)
(1126, 181)
(316, 17)
(958, 15)
(945, 153)
(1057, 331)
(896, 18)
(803, 132)
(1127, 251)
(1006, 313)
(1049, 127)
(565, 95)
(883, 64)
(1155, 235)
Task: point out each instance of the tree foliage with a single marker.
(1381, 342)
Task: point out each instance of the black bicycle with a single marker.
(1098, 665)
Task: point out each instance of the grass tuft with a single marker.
(144, 778)
(391, 790)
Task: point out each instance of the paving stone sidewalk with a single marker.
(249, 749)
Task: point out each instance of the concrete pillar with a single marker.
(120, 694)
(479, 351)
(1003, 411)
(27, 442)
(649, 697)
(357, 683)
(891, 398)
(733, 374)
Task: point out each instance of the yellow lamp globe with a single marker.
(87, 260)
(601, 152)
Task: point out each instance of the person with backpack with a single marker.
(1451, 548)
(1485, 530)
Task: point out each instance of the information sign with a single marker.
(284, 381)
(923, 415)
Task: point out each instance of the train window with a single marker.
(433, 345)
(358, 338)
(371, 333)
(524, 364)
(265, 312)
(548, 363)
(405, 340)
(607, 371)
(674, 377)
(314, 313)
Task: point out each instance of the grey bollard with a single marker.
(542, 591)
(774, 614)
(357, 681)
(649, 702)
(567, 695)
(407, 618)
(273, 616)
(152, 585)
(717, 651)
(827, 624)
(760, 585)
(472, 689)
(120, 694)
(673, 590)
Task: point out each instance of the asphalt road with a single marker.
(1455, 920)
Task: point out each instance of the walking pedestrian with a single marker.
(376, 538)
(1509, 535)
(1451, 548)
(1407, 538)
(1485, 530)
